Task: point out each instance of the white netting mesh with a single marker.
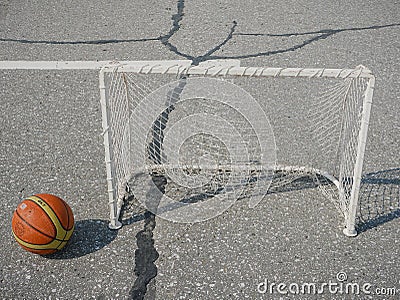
(160, 124)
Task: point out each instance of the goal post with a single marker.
(218, 129)
(350, 229)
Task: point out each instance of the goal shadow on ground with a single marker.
(89, 236)
(379, 199)
(133, 211)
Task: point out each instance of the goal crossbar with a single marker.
(229, 68)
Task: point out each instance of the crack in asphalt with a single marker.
(176, 26)
(90, 42)
(145, 257)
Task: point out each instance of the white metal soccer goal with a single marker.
(217, 132)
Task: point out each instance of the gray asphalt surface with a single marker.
(51, 142)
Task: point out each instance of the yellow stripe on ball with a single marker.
(52, 245)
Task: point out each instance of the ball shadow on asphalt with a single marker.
(89, 236)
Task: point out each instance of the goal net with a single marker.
(187, 141)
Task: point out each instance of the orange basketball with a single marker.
(43, 223)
